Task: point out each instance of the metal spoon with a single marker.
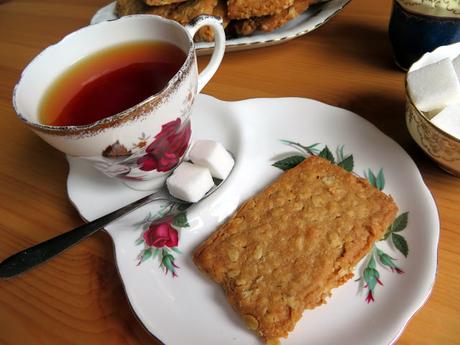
(33, 256)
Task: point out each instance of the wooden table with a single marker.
(78, 297)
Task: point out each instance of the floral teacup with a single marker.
(139, 145)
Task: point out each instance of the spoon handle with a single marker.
(33, 256)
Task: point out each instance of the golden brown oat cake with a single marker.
(243, 9)
(127, 7)
(276, 21)
(184, 12)
(287, 247)
(162, 11)
(162, 2)
(246, 27)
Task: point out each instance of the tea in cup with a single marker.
(119, 94)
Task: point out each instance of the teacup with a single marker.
(139, 145)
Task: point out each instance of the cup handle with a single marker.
(219, 48)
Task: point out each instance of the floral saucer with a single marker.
(178, 305)
(312, 19)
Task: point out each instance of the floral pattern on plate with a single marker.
(160, 237)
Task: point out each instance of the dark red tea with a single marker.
(109, 81)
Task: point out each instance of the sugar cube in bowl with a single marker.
(434, 86)
(430, 126)
(449, 120)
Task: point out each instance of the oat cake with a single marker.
(243, 17)
(162, 2)
(285, 249)
(243, 9)
(271, 23)
(182, 12)
(246, 27)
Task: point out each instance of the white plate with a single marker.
(190, 309)
(316, 16)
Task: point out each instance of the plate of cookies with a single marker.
(248, 24)
(323, 233)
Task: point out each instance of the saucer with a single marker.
(178, 305)
(312, 19)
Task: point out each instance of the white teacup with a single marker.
(139, 145)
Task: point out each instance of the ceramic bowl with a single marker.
(439, 145)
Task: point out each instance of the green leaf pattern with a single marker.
(378, 181)
(289, 162)
(371, 275)
(347, 163)
(327, 154)
(180, 220)
(400, 222)
(311, 149)
(400, 244)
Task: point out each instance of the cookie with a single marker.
(285, 249)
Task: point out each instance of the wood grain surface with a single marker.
(78, 297)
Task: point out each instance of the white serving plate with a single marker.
(190, 309)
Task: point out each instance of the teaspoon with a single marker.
(41, 252)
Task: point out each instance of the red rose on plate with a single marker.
(169, 145)
(161, 235)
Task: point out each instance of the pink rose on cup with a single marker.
(169, 146)
(161, 235)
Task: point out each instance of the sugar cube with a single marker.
(212, 155)
(449, 120)
(189, 182)
(434, 86)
